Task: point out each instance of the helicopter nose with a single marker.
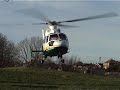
(61, 43)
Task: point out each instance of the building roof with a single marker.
(111, 61)
(78, 63)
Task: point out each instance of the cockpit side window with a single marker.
(62, 36)
(53, 37)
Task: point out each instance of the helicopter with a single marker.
(55, 42)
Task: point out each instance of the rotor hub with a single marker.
(54, 23)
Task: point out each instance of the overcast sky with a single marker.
(93, 38)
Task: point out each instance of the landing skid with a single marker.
(62, 61)
(61, 58)
(42, 61)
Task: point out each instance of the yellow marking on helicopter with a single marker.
(50, 47)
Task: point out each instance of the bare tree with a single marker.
(71, 60)
(7, 52)
(26, 46)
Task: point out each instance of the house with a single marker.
(77, 65)
(109, 64)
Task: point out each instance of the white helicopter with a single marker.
(55, 42)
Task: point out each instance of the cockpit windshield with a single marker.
(62, 36)
(53, 37)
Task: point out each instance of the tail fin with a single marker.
(43, 33)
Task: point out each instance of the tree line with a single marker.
(12, 54)
(16, 54)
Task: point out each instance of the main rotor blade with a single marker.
(38, 23)
(92, 17)
(35, 13)
(67, 26)
(19, 24)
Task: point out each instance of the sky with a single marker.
(91, 40)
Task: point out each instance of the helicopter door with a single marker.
(52, 38)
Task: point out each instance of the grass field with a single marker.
(22, 78)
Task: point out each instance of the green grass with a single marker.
(22, 78)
